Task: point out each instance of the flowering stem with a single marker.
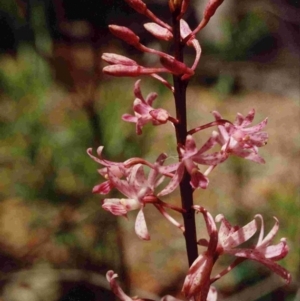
(186, 190)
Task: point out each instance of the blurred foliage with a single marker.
(240, 36)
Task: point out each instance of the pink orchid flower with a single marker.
(263, 252)
(190, 157)
(144, 112)
(240, 139)
(224, 241)
(139, 191)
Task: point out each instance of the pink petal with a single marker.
(259, 139)
(256, 128)
(116, 289)
(141, 226)
(257, 256)
(103, 188)
(185, 30)
(115, 207)
(198, 276)
(217, 115)
(169, 168)
(150, 98)
(249, 118)
(129, 118)
(211, 228)
(169, 298)
(268, 239)
(225, 228)
(160, 115)
(278, 251)
(190, 146)
(240, 236)
(158, 31)
(239, 119)
(174, 181)
(198, 180)
(212, 294)
(100, 160)
(121, 185)
(249, 155)
(140, 107)
(137, 90)
(210, 159)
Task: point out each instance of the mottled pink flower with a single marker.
(224, 241)
(144, 112)
(240, 139)
(139, 190)
(190, 157)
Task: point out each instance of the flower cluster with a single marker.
(129, 177)
(225, 241)
(140, 188)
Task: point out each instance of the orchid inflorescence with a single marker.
(141, 188)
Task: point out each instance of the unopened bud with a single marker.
(116, 59)
(175, 5)
(184, 7)
(211, 8)
(131, 71)
(121, 70)
(124, 34)
(137, 5)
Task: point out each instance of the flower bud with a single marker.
(116, 59)
(137, 5)
(121, 70)
(124, 34)
(175, 5)
(131, 71)
(211, 8)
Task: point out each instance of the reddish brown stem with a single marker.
(186, 190)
